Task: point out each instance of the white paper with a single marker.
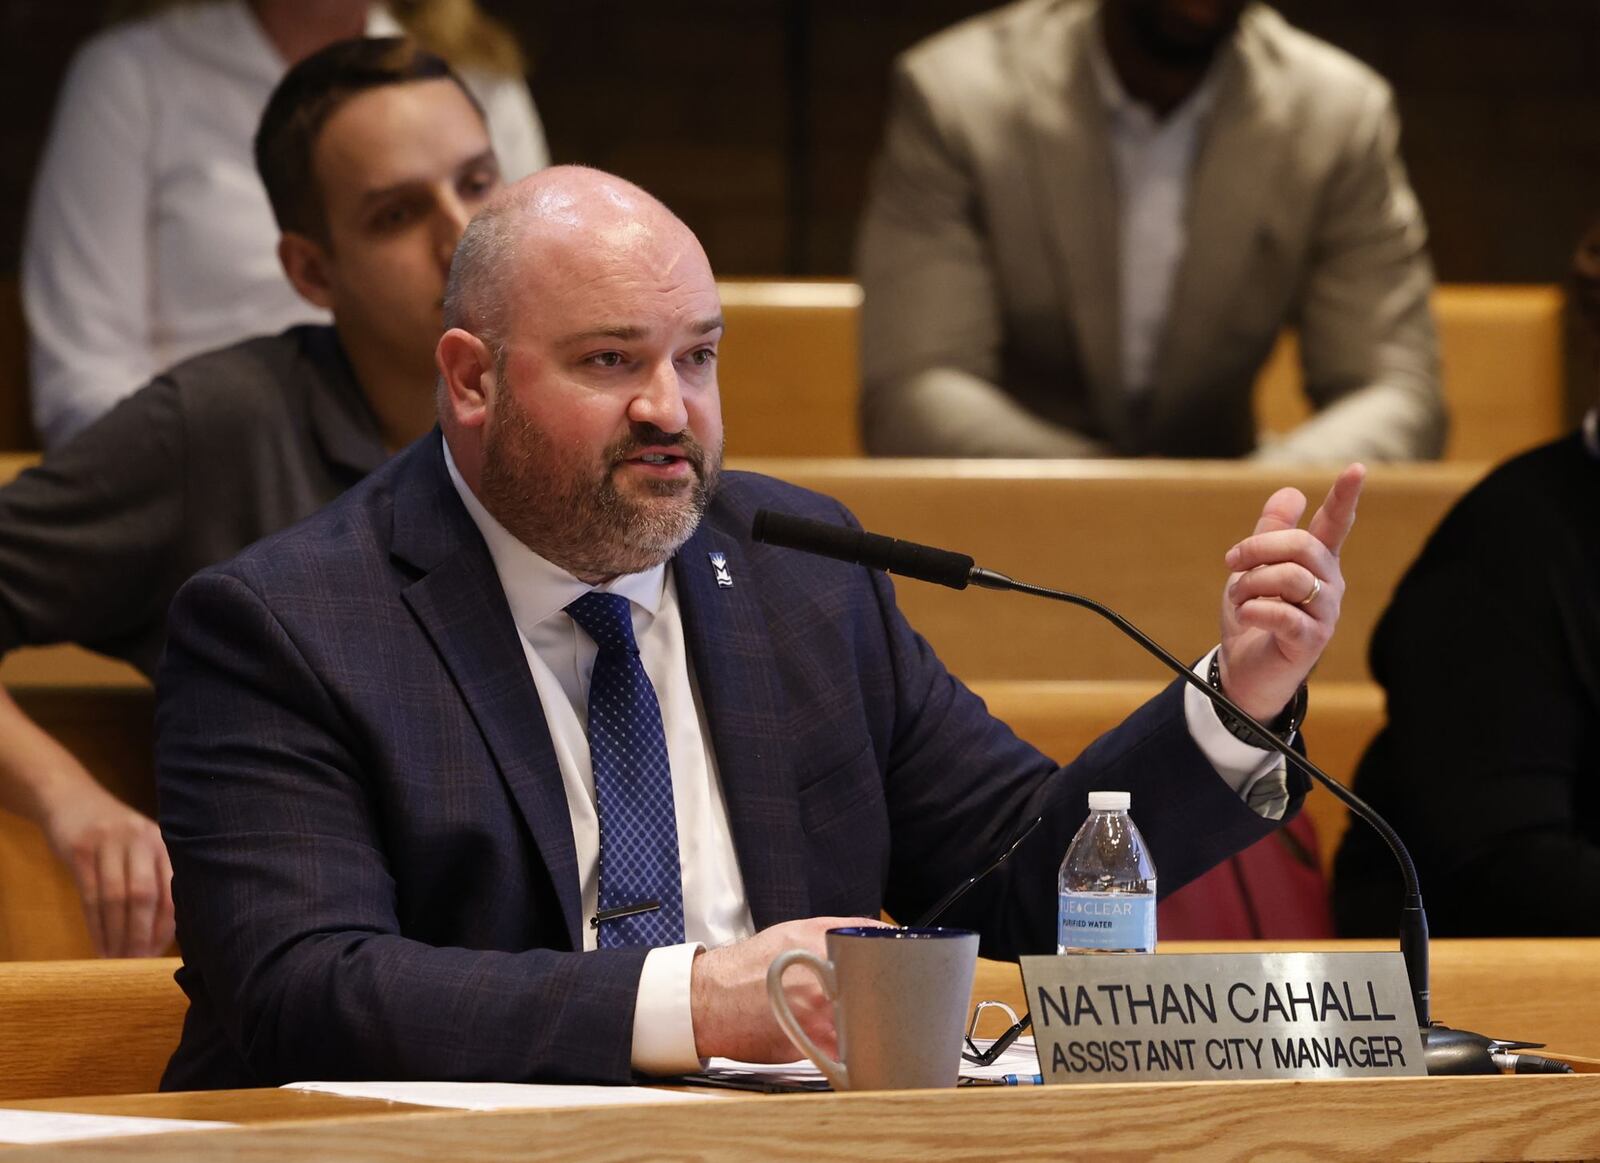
(800, 1073)
(498, 1096)
(1020, 1058)
(22, 1126)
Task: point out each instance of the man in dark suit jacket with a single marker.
(375, 781)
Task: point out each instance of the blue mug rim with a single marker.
(901, 932)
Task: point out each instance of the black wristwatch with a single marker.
(1284, 726)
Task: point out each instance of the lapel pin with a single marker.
(719, 563)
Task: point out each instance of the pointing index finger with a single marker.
(1337, 515)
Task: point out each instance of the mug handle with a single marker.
(835, 1072)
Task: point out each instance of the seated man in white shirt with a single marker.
(149, 238)
(523, 760)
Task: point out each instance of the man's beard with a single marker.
(1173, 41)
(568, 509)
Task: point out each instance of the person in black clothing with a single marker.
(375, 157)
(1489, 766)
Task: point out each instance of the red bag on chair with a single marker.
(1274, 889)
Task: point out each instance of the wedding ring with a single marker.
(1316, 588)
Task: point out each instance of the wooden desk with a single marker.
(1457, 1118)
(268, 1105)
(1515, 988)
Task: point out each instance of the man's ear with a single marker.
(306, 264)
(466, 365)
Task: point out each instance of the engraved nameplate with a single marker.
(1203, 1016)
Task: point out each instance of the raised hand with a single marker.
(1281, 603)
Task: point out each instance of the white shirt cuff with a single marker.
(663, 1021)
(1257, 775)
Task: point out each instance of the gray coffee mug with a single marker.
(900, 999)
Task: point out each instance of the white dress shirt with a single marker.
(149, 237)
(1154, 159)
(561, 659)
(715, 909)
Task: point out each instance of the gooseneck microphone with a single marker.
(1445, 1051)
(906, 558)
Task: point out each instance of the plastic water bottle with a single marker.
(1107, 884)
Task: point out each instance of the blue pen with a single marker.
(1022, 1080)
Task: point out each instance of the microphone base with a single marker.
(1447, 1051)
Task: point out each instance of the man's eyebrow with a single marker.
(628, 332)
(476, 161)
(621, 331)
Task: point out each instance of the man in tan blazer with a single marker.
(1091, 219)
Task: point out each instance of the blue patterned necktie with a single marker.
(632, 782)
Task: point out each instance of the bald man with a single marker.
(522, 761)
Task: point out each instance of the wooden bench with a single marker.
(87, 1027)
(790, 382)
(788, 368)
(1146, 537)
(1502, 354)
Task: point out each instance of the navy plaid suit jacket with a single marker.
(374, 866)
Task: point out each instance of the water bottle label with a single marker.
(1108, 920)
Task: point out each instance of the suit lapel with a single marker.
(1244, 140)
(460, 605)
(733, 658)
(1070, 150)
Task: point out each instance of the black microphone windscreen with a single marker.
(791, 532)
(906, 558)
